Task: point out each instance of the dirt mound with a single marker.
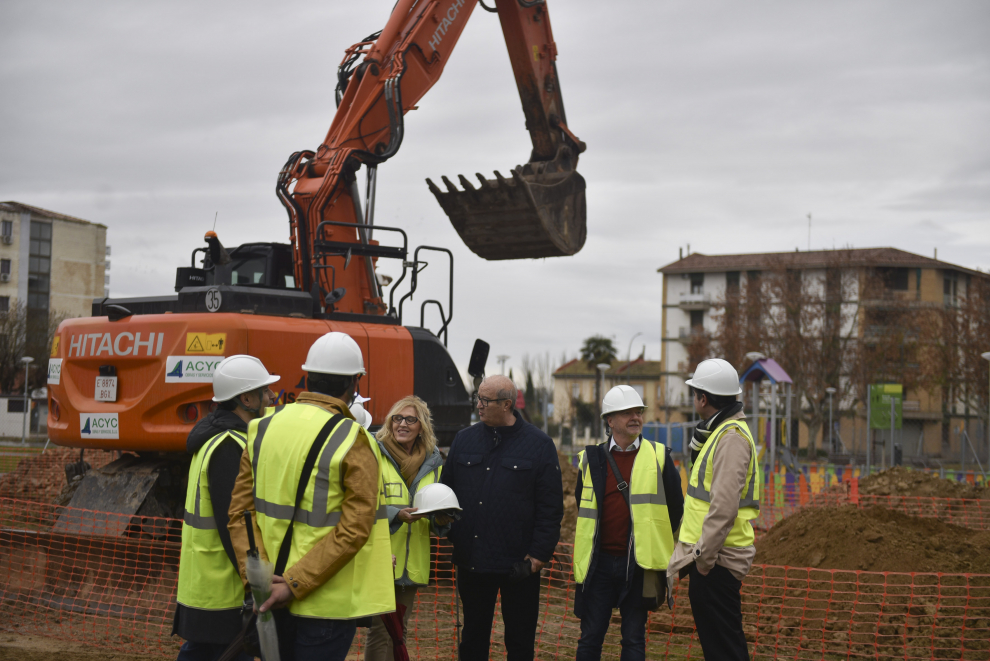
(874, 539)
(41, 478)
(569, 474)
(900, 481)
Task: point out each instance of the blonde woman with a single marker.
(412, 461)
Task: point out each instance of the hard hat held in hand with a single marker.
(361, 414)
(716, 376)
(335, 353)
(236, 375)
(621, 398)
(435, 497)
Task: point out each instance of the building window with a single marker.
(108, 251)
(895, 279)
(697, 320)
(4, 303)
(15, 405)
(39, 266)
(106, 280)
(732, 282)
(5, 266)
(697, 283)
(950, 288)
(575, 390)
(6, 228)
(640, 389)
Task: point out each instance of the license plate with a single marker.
(106, 389)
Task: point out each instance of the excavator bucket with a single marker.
(528, 216)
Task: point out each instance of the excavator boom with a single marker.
(538, 212)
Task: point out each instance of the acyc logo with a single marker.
(54, 371)
(190, 369)
(98, 425)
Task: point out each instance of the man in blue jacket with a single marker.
(506, 476)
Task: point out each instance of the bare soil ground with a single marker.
(569, 476)
(900, 481)
(36, 648)
(873, 539)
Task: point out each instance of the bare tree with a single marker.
(13, 332)
(811, 322)
(952, 338)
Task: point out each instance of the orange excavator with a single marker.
(137, 375)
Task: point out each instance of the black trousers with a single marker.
(520, 612)
(717, 608)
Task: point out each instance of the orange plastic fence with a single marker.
(119, 592)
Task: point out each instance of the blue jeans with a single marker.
(322, 640)
(191, 651)
(606, 589)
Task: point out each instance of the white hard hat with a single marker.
(335, 353)
(435, 497)
(716, 376)
(361, 414)
(236, 375)
(621, 398)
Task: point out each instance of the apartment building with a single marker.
(51, 261)
(696, 286)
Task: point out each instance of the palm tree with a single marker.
(598, 349)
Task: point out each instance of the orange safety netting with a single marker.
(119, 593)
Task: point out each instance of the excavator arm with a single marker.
(538, 212)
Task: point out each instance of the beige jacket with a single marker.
(360, 483)
(729, 468)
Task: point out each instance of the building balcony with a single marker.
(694, 301)
(686, 335)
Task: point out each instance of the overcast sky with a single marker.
(715, 124)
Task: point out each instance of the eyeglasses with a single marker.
(484, 401)
(408, 419)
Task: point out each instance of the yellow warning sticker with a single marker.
(208, 344)
(54, 347)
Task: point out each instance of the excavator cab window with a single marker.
(267, 265)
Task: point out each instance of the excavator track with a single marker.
(526, 217)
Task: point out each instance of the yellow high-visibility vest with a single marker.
(411, 542)
(699, 499)
(277, 445)
(208, 580)
(653, 539)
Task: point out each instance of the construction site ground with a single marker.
(837, 575)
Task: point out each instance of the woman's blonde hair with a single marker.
(425, 420)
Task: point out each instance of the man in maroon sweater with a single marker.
(625, 528)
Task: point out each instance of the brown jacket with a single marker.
(729, 468)
(360, 484)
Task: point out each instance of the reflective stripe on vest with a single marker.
(586, 530)
(698, 500)
(653, 539)
(411, 542)
(207, 578)
(277, 445)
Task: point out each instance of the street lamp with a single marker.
(831, 443)
(601, 390)
(629, 351)
(27, 360)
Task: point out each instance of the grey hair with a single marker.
(506, 388)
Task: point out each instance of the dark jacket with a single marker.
(215, 626)
(597, 467)
(507, 481)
